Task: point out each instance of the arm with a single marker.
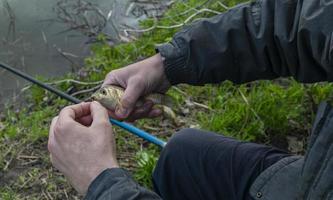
(264, 39)
(82, 147)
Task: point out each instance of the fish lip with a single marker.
(92, 98)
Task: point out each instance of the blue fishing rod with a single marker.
(132, 129)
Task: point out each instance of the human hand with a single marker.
(81, 143)
(139, 79)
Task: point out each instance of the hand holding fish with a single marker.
(139, 79)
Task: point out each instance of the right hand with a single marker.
(82, 144)
(139, 79)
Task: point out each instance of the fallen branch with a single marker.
(155, 26)
(188, 10)
(223, 5)
(179, 90)
(248, 104)
(68, 81)
(75, 81)
(200, 105)
(86, 91)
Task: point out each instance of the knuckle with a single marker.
(50, 146)
(111, 75)
(104, 123)
(54, 120)
(59, 128)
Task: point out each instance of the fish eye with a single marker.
(104, 92)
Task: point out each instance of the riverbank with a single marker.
(50, 38)
(278, 113)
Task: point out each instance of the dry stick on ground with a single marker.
(189, 10)
(248, 104)
(67, 81)
(200, 105)
(76, 82)
(87, 90)
(155, 26)
(180, 91)
(5, 155)
(223, 5)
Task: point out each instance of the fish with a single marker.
(110, 96)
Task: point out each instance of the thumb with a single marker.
(99, 113)
(131, 95)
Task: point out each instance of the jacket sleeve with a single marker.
(117, 184)
(263, 39)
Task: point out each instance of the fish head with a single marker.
(107, 96)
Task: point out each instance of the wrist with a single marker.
(94, 173)
(158, 64)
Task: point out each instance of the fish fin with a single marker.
(160, 99)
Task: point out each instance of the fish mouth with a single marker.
(92, 98)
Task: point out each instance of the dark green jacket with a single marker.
(264, 39)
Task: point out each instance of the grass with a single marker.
(263, 111)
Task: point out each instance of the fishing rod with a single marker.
(132, 129)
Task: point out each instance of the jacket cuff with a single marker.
(105, 181)
(175, 63)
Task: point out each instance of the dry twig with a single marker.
(75, 82)
(86, 91)
(155, 26)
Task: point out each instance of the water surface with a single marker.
(52, 37)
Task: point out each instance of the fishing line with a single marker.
(132, 129)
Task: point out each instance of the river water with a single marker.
(52, 37)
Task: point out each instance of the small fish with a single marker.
(110, 97)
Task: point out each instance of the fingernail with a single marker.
(122, 112)
(156, 113)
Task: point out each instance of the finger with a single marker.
(53, 123)
(141, 112)
(51, 142)
(132, 93)
(74, 112)
(99, 113)
(111, 79)
(113, 115)
(86, 120)
(155, 113)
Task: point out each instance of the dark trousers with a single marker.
(203, 165)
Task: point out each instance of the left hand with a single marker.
(81, 143)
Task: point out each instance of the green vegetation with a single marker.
(265, 111)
